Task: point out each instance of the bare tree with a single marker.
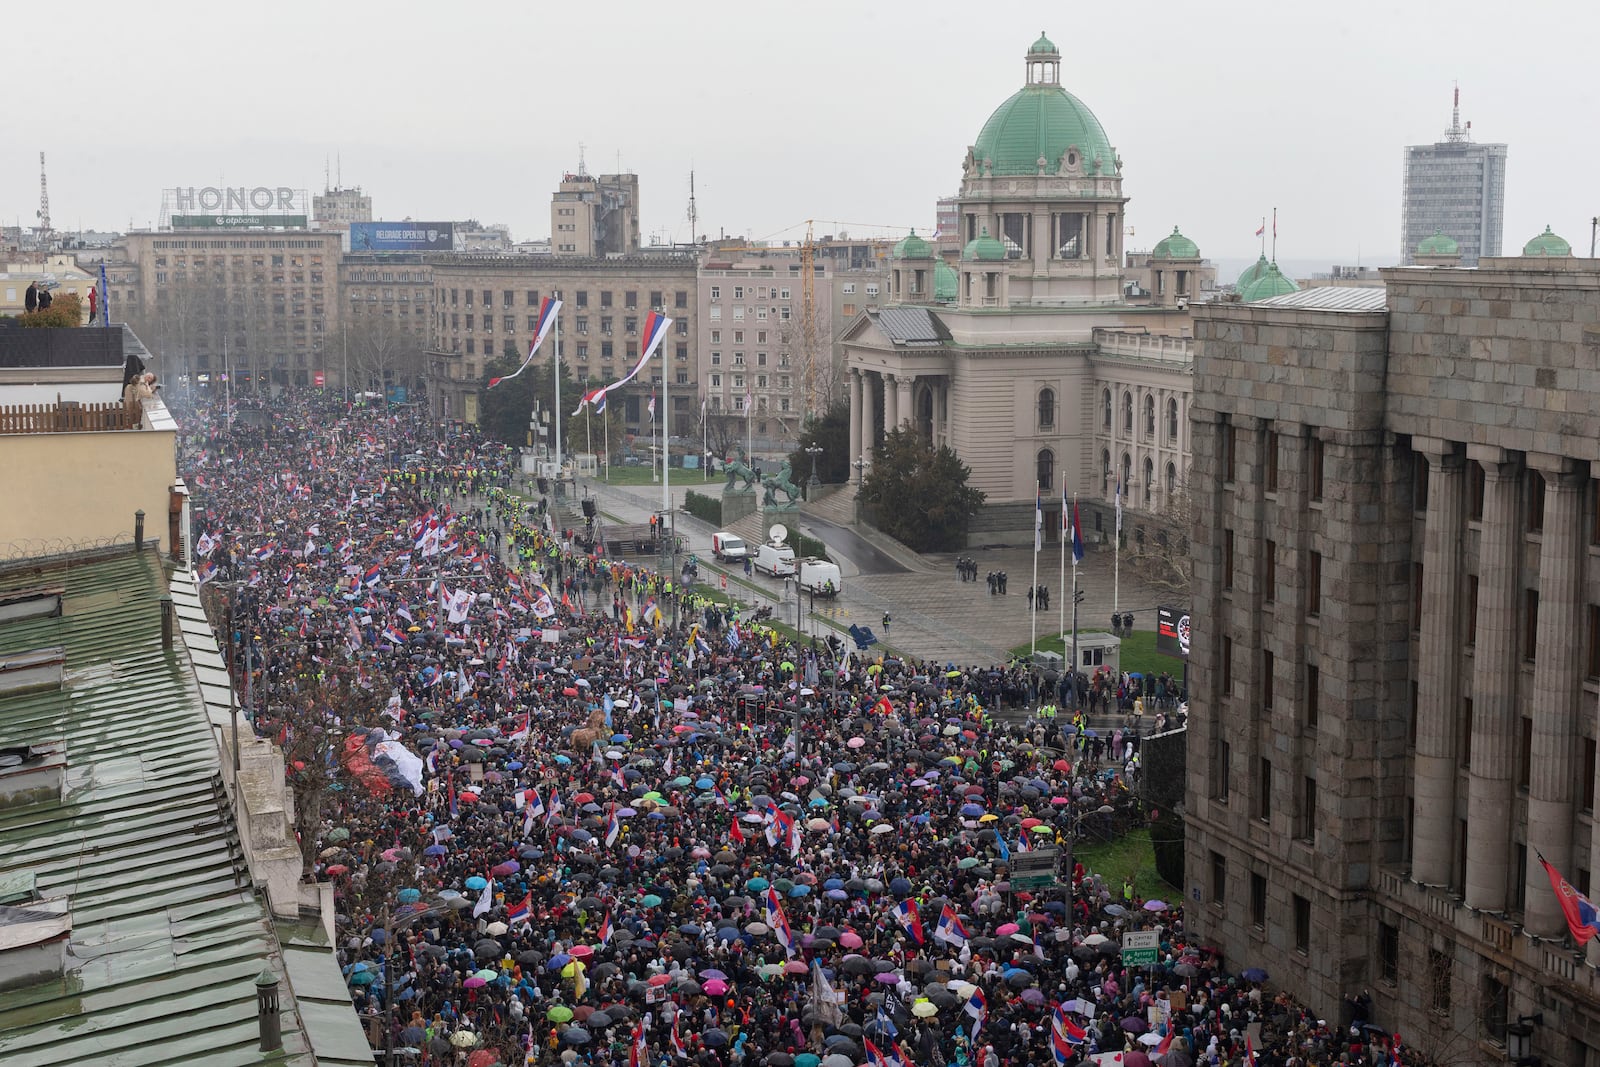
(1158, 543)
(382, 352)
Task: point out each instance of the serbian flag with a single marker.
(1077, 535)
(677, 1042)
(1064, 1036)
(1262, 229)
(606, 929)
(735, 834)
(1166, 1042)
(596, 396)
(638, 1051)
(613, 828)
(950, 930)
(977, 1007)
(875, 1058)
(905, 913)
(521, 912)
(1582, 919)
(779, 922)
(370, 578)
(555, 807)
(548, 309)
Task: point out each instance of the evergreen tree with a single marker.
(919, 495)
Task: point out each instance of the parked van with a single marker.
(819, 576)
(725, 545)
(776, 560)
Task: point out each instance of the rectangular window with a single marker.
(1227, 559)
(1466, 732)
(1272, 461)
(1313, 694)
(1439, 978)
(1258, 900)
(1588, 773)
(1388, 953)
(1222, 777)
(1474, 490)
(583, 350)
(1229, 452)
(1313, 584)
(630, 298)
(1472, 610)
(680, 299)
(1268, 663)
(581, 298)
(716, 292)
(1269, 571)
(1525, 754)
(605, 298)
(1219, 879)
(1530, 623)
(1494, 1008)
(1308, 809)
(1519, 871)
(1535, 502)
(1317, 456)
(1264, 790)
(1416, 596)
(1227, 666)
(1419, 482)
(533, 298)
(1302, 924)
(1594, 641)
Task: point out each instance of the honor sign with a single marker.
(235, 206)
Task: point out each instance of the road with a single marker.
(867, 557)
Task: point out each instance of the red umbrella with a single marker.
(583, 798)
(338, 869)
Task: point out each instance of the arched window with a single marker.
(1047, 409)
(1127, 413)
(1105, 398)
(1149, 479)
(1149, 415)
(1045, 464)
(1172, 419)
(1172, 479)
(1127, 473)
(1105, 468)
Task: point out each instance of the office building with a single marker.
(1396, 653)
(1455, 187)
(388, 311)
(335, 209)
(595, 215)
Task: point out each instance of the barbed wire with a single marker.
(50, 550)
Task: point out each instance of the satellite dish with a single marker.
(778, 532)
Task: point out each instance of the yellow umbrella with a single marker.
(990, 817)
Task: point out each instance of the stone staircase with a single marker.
(836, 503)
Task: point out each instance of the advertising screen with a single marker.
(402, 236)
(1172, 631)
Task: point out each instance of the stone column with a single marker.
(855, 424)
(939, 388)
(1494, 684)
(1439, 691)
(891, 417)
(903, 408)
(1557, 681)
(869, 415)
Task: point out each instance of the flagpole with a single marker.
(1072, 667)
(1062, 611)
(556, 416)
(1033, 594)
(1116, 557)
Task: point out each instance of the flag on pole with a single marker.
(555, 807)
(548, 309)
(1038, 520)
(606, 930)
(950, 930)
(638, 1051)
(613, 828)
(677, 1042)
(978, 1007)
(779, 922)
(650, 408)
(1582, 919)
(1001, 849)
(522, 912)
(906, 914)
(1262, 229)
(1077, 536)
(485, 899)
(1119, 507)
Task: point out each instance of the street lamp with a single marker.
(1519, 1039)
(811, 486)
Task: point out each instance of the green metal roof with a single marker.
(1438, 245)
(912, 247)
(946, 282)
(1176, 246)
(1251, 273)
(1043, 47)
(984, 247)
(1269, 284)
(1547, 244)
(168, 934)
(1042, 121)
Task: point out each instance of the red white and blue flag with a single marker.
(521, 912)
(638, 1051)
(1582, 918)
(905, 913)
(779, 921)
(548, 310)
(606, 929)
(555, 808)
(613, 828)
(876, 1058)
(655, 329)
(950, 930)
(1065, 1035)
(677, 1042)
(978, 1007)
(1077, 535)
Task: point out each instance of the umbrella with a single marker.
(924, 1009)
(598, 1020)
(1253, 974)
(1134, 1025)
(779, 1059)
(715, 987)
(558, 1013)
(1155, 905)
(716, 1038)
(476, 882)
(575, 1036)
(463, 1039)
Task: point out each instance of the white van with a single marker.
(776, 560)
(725, 545)
(819, 576)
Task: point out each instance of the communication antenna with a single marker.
(44, 206)
(581, 171)
(694, 213)
(777, 532)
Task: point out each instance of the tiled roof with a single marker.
(912, 326)
(168, 934)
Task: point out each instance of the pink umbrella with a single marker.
(856, 742)
(1006, 929)
(474, 982)
(715, 987)
(580, 952)
(850, 939)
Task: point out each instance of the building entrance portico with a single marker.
(881, 401)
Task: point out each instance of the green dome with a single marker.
(1176, 246)
(946, 283)
(1268, 284)
(1251, 273)
(1041, 121)
(984, 247)
(1438, 245)
(1547, 244)
(1043, 47)
(912, 247)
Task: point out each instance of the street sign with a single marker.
(1033, 870)
(1140, 948)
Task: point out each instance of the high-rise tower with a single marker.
(1457, 188)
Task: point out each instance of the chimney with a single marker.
(167, 619)
(267, 1011)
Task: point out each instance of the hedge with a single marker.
(707, 508)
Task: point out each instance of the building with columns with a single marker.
(1395, 677)
(1026, 355)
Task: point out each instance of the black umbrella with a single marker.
(714, 1037)
(598, 1021)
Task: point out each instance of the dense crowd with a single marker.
(579, 813)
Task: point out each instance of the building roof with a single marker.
(1266, 285)
(946, 282)
(168, 933)
(1252, 272)
(1043, 47)
(1547, 244)
(1332, 298)
(984, 247)
(1438, 245)
(911, 247)
(914, 327)
(1175, 246)
(1041, 120)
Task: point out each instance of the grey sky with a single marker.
(849, 111)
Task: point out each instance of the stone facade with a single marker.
(1397, 577)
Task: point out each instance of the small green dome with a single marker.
(1176, 246)
(1438, 245)
(984, 247)
(1547, 244)
(1043, 47)
(1269, 284)
(912, 247)
(1251, 273)
(946, 282)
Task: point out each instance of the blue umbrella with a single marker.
(728, 933)
(800, 890)
(408, 895)
(435, 850)
(379, 935)
(563, 760)
(900, 886)
(837, 894)
(972, 810)
(703, 783)
(757, 884)
(476, 882)
(558, 961)
(833, 883)
(619, 738)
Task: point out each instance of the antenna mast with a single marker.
(1455, 134)
(694, 214)
(44, 207)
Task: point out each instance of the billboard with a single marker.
(402, 236)
(1172, 631)
(231, 222)
(241, 206)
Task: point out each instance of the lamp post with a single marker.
(1519, 1039)
(811, 486)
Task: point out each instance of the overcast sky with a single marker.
(832, 109)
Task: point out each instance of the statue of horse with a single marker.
(738, 469)
(589, 736)
(780, 482)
